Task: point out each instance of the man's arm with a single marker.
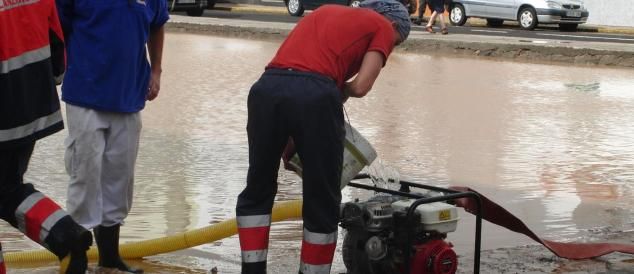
(65, 13)
(56, 41)
(155, 48)
(370, 67)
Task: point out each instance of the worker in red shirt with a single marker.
(301, 95)
(31, 60)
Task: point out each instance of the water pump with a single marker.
(380, 236)
(400, 233)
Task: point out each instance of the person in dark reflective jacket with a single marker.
(31, 62)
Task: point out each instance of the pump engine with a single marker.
(377, 236)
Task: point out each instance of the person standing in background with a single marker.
(438, 10)
(301, 95)
(106, 85)
(422, 7)
(31, 60)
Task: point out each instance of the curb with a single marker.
(615, 30)
(477, 22)
(253, 9)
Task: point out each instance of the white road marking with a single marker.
(492, 31)
(586, 36)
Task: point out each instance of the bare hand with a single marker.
(154, 86)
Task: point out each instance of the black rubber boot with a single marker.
(108, 245)
(68, 238)
(78, 260)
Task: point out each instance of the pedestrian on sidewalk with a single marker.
(31, 57)
(301, 95)
(421, 6)
(105, 88)
(438, 10)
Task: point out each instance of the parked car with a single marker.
(529, 13)
(192, 7)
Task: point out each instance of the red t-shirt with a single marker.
(332, 41)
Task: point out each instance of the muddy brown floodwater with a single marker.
(553, 144)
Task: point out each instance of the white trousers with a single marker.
(101, 151)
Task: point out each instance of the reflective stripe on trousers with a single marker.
(37, 215)
(3, 268)
(305, 268)
(318, 250)
(254, 237)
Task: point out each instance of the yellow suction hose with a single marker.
(281, 211)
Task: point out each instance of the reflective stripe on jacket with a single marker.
(31, 58)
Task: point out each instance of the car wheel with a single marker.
(211, 4)
(568, 27)
(195, 11)
(457, 16)
(295, 7)
(354, 3)
(495, 22)
(527, 18)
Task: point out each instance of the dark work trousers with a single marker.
(22, 206)
(13, 164)
(307, 107)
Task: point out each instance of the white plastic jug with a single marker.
(357, 154)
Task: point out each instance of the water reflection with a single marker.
(553, 144)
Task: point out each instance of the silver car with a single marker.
(567, 13)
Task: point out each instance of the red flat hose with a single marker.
(494, 213)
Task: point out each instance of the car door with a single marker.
(502, 9)
(475, 8)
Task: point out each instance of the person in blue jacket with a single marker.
(107, 83)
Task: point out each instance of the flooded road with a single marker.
(552, 144)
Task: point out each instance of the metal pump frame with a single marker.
(450, 195)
